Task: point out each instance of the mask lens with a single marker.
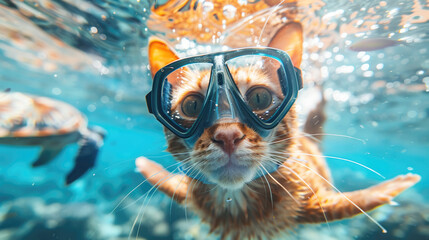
(260, 80)
(183, 93)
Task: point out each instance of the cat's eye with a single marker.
(192, 104)
(259, 98)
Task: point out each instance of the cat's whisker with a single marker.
(191, 183)
(154, 187)
(143, 206)
(263, 173)
(258, 44)
(181, 153)
(174, 193)
(269, 187)
(117, 163)
(282, 157)
(146, 205)
(342, 194)
(275, 180)
(311, 137)
(248, 186)
(303, 134)
(192, 168)
(154, 190)
(311, 189)
(135, 188)
(346, 160)
(135, 222)
(337, 158)
(338, 135)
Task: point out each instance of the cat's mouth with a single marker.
(233, 173)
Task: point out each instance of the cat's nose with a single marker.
(228, 138)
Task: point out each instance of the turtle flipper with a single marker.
(46, 155)
(86, 156)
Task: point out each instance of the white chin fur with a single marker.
(234, 179)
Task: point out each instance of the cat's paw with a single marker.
(387, 190)
(148, 167)
(174, 185)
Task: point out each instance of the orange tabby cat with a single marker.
(229, 153)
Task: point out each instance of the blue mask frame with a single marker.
(220, 78)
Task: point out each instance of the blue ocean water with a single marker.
(92, 55)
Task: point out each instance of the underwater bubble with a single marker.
(242, 2)
(91, 107)
(379, 66)
(229, 11)
(305, 56)
(345, 69)
(314, 56)
(325, 72)
(364, 67)
(365, 58)
(104, 99)
(412, 114)
(93, 30)
(327, 54)
(414, 78)
(208, 6)
(368, 74)
(56, 91)
(361, 54)
(425, 64)
(375, 26)
(351, 131)
(339, 57)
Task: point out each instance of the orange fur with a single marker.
(237, 207)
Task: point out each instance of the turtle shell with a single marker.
(23, 115)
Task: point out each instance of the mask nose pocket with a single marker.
(225, 107)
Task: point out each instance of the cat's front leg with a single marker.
(174, 185)
(327, 205)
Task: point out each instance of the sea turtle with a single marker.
(30, 120)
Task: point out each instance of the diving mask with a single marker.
(255, 85)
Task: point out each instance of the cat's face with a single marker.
(228, 152)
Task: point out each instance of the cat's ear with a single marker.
(289, 38)
(160, 54)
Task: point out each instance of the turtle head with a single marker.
(98, 130)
